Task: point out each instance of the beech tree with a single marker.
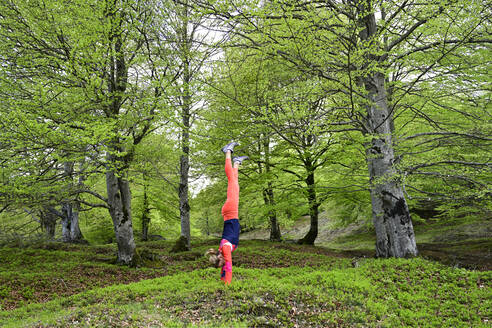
(188, 43)
(402, 85)
(365, 50)
(100, 65)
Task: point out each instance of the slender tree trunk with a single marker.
(66, 222)
(117, 185)
(184, 205)
(75, 233)
(145, 215)
(275, 234)
(48, 223)
(394, 229)
(206, 221)
(70, 216)
(66, 206)
(269, 196)
(119, 201)
(269, 199)
(313, 209)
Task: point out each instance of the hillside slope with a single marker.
(274, 285)
(458, 243)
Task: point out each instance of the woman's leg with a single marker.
(231, 206)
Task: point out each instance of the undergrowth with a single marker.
(274, 285)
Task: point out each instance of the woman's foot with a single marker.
(229, 147)
(239, 159)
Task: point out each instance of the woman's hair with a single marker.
(215, 257)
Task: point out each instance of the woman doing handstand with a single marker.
(230, 233)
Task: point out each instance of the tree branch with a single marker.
(416, 167)
(473, 136)
(94, 205)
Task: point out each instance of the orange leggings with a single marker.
(230, 211)
(230, 208)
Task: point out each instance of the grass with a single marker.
(46, 271)
(274, 285)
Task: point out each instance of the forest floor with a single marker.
(458, 243)
(274, 285)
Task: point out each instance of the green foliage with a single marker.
(290, 76)
(156, 160)
(98, 228)
(437, 91)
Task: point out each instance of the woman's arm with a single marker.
(226, 273)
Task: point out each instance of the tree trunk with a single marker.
(75, 233)
(48, 223)
(70, 223)
(145, 215)
(391, 217)
(70, 216)
(184, 205)
(66, 206)
(206, 222)
(66, 222)
(269, 199)
(269, 196)
(313, 209)
(118, 158)
(119, 201)
(394, 229)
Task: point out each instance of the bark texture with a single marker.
(394, 230)
(119, 201)
(70, 212)
(391, 216)
(119, 158)
(65, 222)
(75, 233)
(70, 223)
(184, 205)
